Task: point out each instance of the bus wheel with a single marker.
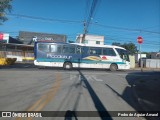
(67, 65)
(113, 67)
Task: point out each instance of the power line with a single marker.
(45, 19)
(90, 16)
(127, 29)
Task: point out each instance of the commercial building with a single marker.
(22, 48)
(29, 37)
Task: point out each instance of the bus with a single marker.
(75, 55)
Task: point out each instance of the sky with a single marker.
(119, 21)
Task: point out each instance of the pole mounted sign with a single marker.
(140, 40)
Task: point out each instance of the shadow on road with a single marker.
(142, 92)
(97, 102)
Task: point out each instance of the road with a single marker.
(27, 88)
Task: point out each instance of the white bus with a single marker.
(80, 56)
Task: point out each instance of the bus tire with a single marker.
(113, 67)
(67, 65)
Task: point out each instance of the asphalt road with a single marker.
(24, 87)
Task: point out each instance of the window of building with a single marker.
(109, 52)
(85, 41)
(97, 42)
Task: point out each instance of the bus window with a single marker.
(72, 49)
(109, 52)
(68, 49)
(78, 50)
(43, 47)
(56, 48)
(95, 51)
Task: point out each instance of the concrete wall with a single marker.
(153, 63)
(132, 61)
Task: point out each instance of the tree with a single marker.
(131, 47)
(4, 7)
(70, 41)
(116, 43)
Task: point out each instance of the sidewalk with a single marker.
(147, 92)
(146, 69)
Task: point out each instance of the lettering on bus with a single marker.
(58, 56)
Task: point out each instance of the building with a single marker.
(90, 39)
(28, 37)
(155, 55)
(137, 57)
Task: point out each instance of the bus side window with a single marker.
(65, 49)
(78, 50)
(43, 47)
(109, 52)
(72, 49)
(69, 49)
(56, 48)
(95, 51)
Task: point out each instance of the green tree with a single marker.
(5, 6)
(131, 47)
(70, 41)
(116, 43)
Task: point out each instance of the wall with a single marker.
(132, 61)
(137, 57)
(153, 63)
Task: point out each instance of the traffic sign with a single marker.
(140, 40)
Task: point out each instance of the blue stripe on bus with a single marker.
(77, 61)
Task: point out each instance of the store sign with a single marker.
(4, 37)
(1, 36)
(47, 39)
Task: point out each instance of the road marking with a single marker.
(47, 97)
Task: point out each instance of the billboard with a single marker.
(30, 37)
(4, 37)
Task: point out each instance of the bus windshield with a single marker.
(123, 54)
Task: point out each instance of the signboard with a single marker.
(1, 36)
(26, 37)
(140, 40)
(4, 37)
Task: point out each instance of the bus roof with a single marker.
(89, 45)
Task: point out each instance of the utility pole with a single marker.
(84, 31)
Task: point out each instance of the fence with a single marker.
(153, 63)
(20, 55)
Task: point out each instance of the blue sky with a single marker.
(118, 20)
